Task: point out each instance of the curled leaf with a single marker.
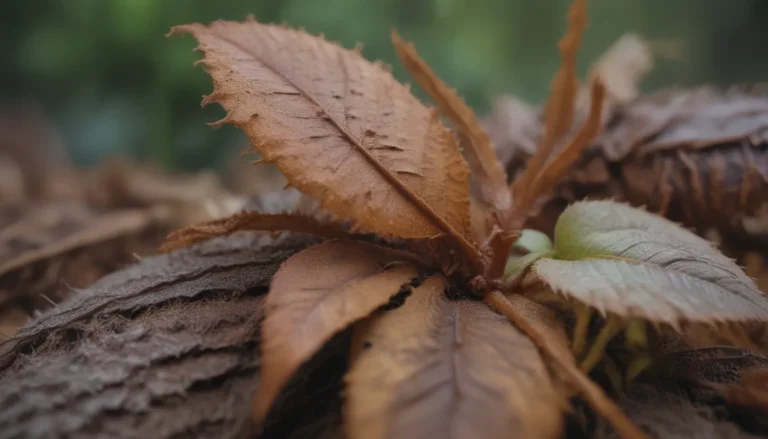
(340, 128)
(316, 294)
(559, 109)
(447, 369)
(627, 261)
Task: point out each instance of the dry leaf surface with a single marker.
(480, 153)
(441, 368)
(697, 156)
(327, 117)
(318, 293)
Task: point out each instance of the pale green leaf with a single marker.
(627, 261)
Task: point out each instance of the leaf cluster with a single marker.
(445, 343)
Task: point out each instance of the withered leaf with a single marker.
(546, 331)
(341, 129)
(559, 109)
(251, 221)
(316, 294)
(627, 261)
(486, 167)
(622, 67)
(752, 391)
(447, 369)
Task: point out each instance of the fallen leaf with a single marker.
(480, 152)
(627, 261)
(341, 129)
(448, 369)
(253, 221)
(318, 293)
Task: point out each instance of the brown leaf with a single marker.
(752, 391)
(447, 369)
(253, 221)
(546, 331)
(697, 156)
(316, 294)
(559, 109)
(554, 171)
(340, 128)
(85, 229)
(480, 153)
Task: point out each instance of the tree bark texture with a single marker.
(167, 348)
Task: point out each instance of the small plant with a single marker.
(431, 298)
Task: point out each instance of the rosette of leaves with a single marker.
(419, 237)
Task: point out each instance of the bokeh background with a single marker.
(112, 84)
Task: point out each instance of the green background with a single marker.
(113, 84)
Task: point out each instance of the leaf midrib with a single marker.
(415, 200)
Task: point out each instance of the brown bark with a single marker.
(167, 348)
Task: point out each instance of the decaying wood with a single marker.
(698, 156)
(166, 348)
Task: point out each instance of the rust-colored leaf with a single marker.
(316, 294)
(480, 153)
(341, 129)
(559, 109)
(546, 331)
(555, 170)
(696, 156)
(251, 221)
(447, 369)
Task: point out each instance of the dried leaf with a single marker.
(554, 171)
(253, 221)
(752, 391)
(697, 156)
(480, 153)
(558, 112)
(546, 331)
(627, 261)
(85, 229)
(316, 294)
(326, 117)
(622, 67)
(448, 369)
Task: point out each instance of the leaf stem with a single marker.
(592, 393)
(583, 316)
(596, 351)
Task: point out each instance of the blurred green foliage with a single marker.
(114, 84)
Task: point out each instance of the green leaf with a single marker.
(533, 241)
(627, 261)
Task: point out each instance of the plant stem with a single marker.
(590, 391)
